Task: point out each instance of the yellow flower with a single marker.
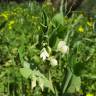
(4, 15)
(89, 94)
(10, 27)
(90, 23)
(81, 29)
(10, 24)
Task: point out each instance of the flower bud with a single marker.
(62, 47)
(53, 61)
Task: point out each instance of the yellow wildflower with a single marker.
(10, 27)
(4, 15)
(81, 29)
(89, 94)
(10, 24)
(90, 23)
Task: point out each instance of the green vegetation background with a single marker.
(33, 62)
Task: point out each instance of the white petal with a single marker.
(62, 47)
(53, 61)
(44, 54)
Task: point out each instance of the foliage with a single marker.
(43, 53)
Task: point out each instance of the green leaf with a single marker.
(74, 84)
(37, 59)
(1, 87)
(50, 83)
(44, 22)
(26, 72)
(41, 83)
(3, 73)
(26, 64)
(45, 82)
(68, 76)
(21, 54)
(58, 19)
(2, 25)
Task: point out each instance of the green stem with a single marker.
(67, 36)
(61, 6)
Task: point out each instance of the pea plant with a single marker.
(44, 53)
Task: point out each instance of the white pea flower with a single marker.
(44, 54)
(62, 47)
(53, 61)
